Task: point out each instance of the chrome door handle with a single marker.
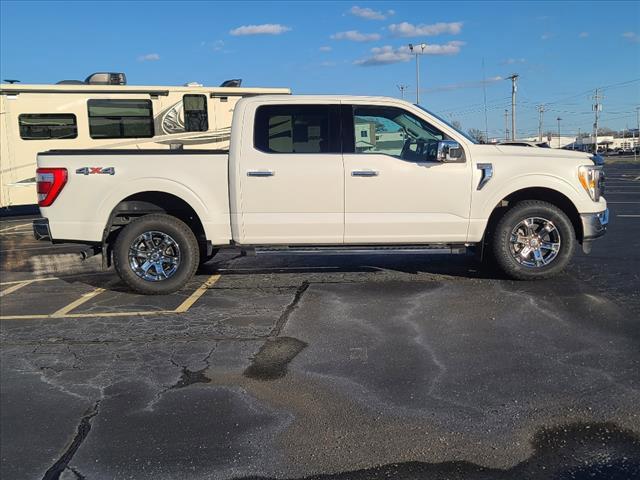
(364, 173)
(260, 173)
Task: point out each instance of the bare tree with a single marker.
(477, 135)
(457, 125)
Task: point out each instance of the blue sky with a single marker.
(561, 50)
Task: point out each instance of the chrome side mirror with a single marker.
(449, 151)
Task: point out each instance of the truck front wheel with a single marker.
(533, 240)
(156, 254)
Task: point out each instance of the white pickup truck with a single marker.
(322, 173)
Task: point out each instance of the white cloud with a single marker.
(583, 34)
(546, 36)
(218, 45)
(631, 36)
(513, 61)
(325, 48)
(264, 29)
(149, 57)
(356, 36)
(406, 29)
(370, 14)
(387, 55)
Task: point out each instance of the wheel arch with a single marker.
(147, 202)
(544, 194)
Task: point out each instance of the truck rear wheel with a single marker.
(156, 254)
(533, 240)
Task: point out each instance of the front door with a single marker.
(395, 190)
(291, 177)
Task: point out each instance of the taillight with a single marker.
(50, 183)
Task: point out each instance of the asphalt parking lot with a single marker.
(324, 367)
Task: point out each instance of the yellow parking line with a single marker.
(32, 280)
(186, 305)
(83, 299)
(15, 227)
(65, 312)
(15, 287)
(88, 315)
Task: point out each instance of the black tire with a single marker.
(503, 250)
(179, 232)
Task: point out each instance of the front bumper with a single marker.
(594, 225)
(41, 229)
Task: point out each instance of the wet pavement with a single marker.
(324, 367)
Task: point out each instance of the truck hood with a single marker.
(529, 153)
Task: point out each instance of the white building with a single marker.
(608, 142)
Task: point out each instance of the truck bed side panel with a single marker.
(82, 209)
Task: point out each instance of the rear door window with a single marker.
(297, 129)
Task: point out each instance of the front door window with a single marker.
(395, 132)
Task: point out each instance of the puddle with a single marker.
(581, 451)
(271, 362)
(189, 377)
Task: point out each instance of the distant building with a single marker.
(608, 142)
(554, 141)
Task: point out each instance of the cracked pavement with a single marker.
(343, 367)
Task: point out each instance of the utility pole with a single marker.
(578, 138)
(558, 131)
(637, 143)
(402, 87)
(597, 108)
(414, 49)
(506, 125)
(514, 89)
(541, 114)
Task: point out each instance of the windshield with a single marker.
(472, 140)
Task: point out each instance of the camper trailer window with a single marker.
(120, 118)
(195, 113)
(47, 126)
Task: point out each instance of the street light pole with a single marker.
(414, 49)
(514, 89)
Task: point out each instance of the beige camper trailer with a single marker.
(104, 112)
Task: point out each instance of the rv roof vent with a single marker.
(106, 78)
(192, 84)
(236, 82)
(70, 82)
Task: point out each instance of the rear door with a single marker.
(395, 190)
(291, 176)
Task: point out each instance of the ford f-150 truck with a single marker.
(322, 173)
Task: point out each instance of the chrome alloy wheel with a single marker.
(535, 242)
(154, 256)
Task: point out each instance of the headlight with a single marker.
(592, 180)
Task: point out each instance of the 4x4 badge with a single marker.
(93, 170)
